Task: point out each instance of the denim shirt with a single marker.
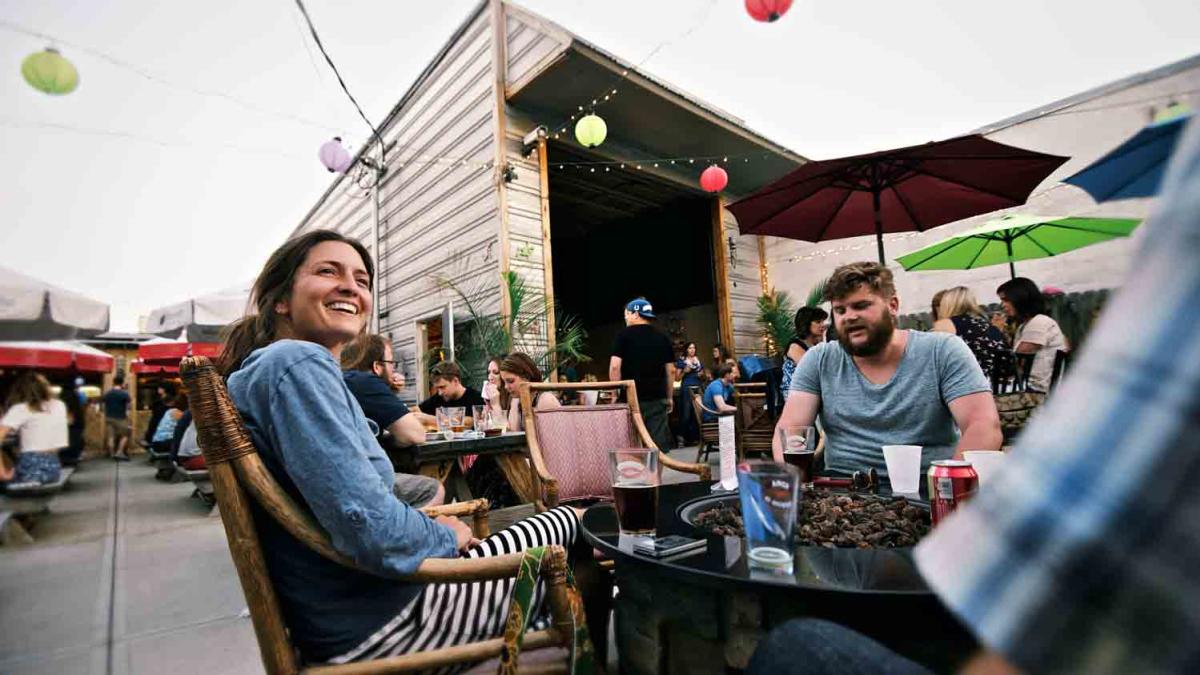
(313, 437)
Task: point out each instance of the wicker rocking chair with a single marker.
(569, 446)
(239, 475)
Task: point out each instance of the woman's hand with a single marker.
(463, 538)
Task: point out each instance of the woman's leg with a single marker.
(447, 614)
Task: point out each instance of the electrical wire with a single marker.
(158, 79)
(320, 46)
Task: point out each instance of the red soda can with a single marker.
(951, 482)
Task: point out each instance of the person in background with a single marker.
(1080, 556)
(312, 298)
(643, 354)
(163, 395)
(517, 369)
(164, 434)
(688, 369)
(493, 391)
(720, 354)
(1037, 333)
(76, 402)
(809, 327)
(450, 392)
(961, 315)
(718, 396)
(879, 385)
(116, 421)
(41, 424)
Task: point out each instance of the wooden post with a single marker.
(500, 132)
(764, 276)
(724, 310)
(547, 259)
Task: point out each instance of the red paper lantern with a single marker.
(714, 179)
(767, 10)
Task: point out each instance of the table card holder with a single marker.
(726, 443)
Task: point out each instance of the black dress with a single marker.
(987, 344)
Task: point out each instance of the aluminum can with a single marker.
(951, 482)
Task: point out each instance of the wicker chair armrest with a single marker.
(704, 471)
(459, 509)
(467, 569)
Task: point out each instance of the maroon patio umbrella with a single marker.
(901, 190)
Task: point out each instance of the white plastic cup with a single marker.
(985, 462)
(903, 467)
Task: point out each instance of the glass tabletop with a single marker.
(724, 560)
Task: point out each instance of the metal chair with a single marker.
(569, 446)
(239, 476)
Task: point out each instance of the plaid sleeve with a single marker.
(1081, 555)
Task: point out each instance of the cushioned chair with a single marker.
(238, 475)
(569, 446)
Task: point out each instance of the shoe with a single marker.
(121, 458)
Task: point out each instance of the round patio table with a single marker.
(705, 612)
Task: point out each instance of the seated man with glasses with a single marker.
(368, 368)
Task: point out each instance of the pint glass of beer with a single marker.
(635, 479)
(799, 447)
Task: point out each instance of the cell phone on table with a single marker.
(665, 547)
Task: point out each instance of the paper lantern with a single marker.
(590, 130)
(335, 156)
(714, 179)
(47, 71)
(767, 10)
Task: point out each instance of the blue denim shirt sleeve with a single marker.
(323, 443)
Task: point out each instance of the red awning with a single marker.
(143, 368)
(55, 355)
(170, 353)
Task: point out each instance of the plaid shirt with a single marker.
(1084, 554)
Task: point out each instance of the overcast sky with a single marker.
(140, 191)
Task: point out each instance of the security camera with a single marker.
(529, 142)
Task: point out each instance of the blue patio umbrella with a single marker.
(1135, 167)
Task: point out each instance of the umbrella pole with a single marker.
(878, 226)
(1012, 269)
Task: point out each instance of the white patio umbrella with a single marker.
(201, 318)
(31, 309)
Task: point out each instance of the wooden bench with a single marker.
(163, 463)
(199, 478)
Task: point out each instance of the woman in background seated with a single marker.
(961, 315)
(1037, 333)
(515, 370)
(313, 298)
(41, 422)
(164, 436)
(809, 326)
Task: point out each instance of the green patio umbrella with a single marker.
(1016, 237)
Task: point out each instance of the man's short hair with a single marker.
(446, 370)
(364, 352)
(847, 278)
(725, 369)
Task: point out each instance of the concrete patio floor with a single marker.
(129, 576)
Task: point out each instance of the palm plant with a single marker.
(816, 294)
(775, 317)
(491, 333)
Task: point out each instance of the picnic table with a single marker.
(438, 459)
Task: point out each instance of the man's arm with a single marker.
(720, 405)
(614, 369)
(1027, 348)
(408, 430)
(670, 387)
(799, 411)
(977, 419)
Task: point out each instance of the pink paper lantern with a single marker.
(335, 156)
(714, 179)
(767, 10)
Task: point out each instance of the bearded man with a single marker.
(878, 386)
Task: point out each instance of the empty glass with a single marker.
(768, 493)
(480, 417)
(443, 419)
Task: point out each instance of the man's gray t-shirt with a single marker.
(860, 418)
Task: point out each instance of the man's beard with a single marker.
(878, 336)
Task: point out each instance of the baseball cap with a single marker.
(642, 307)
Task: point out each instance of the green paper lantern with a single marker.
(590, 130)
(49, 72)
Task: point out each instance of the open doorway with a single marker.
(619, 234)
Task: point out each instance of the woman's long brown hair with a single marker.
(30, 388)
(259, 327)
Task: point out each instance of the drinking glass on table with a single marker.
(799, 447)
(458, 417)
(443, 419)
(635, 478)
(768, 492)
(480, 417)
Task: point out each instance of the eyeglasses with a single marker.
(393, 362)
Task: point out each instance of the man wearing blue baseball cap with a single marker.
(643, 354)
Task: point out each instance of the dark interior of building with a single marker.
(618, 234)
